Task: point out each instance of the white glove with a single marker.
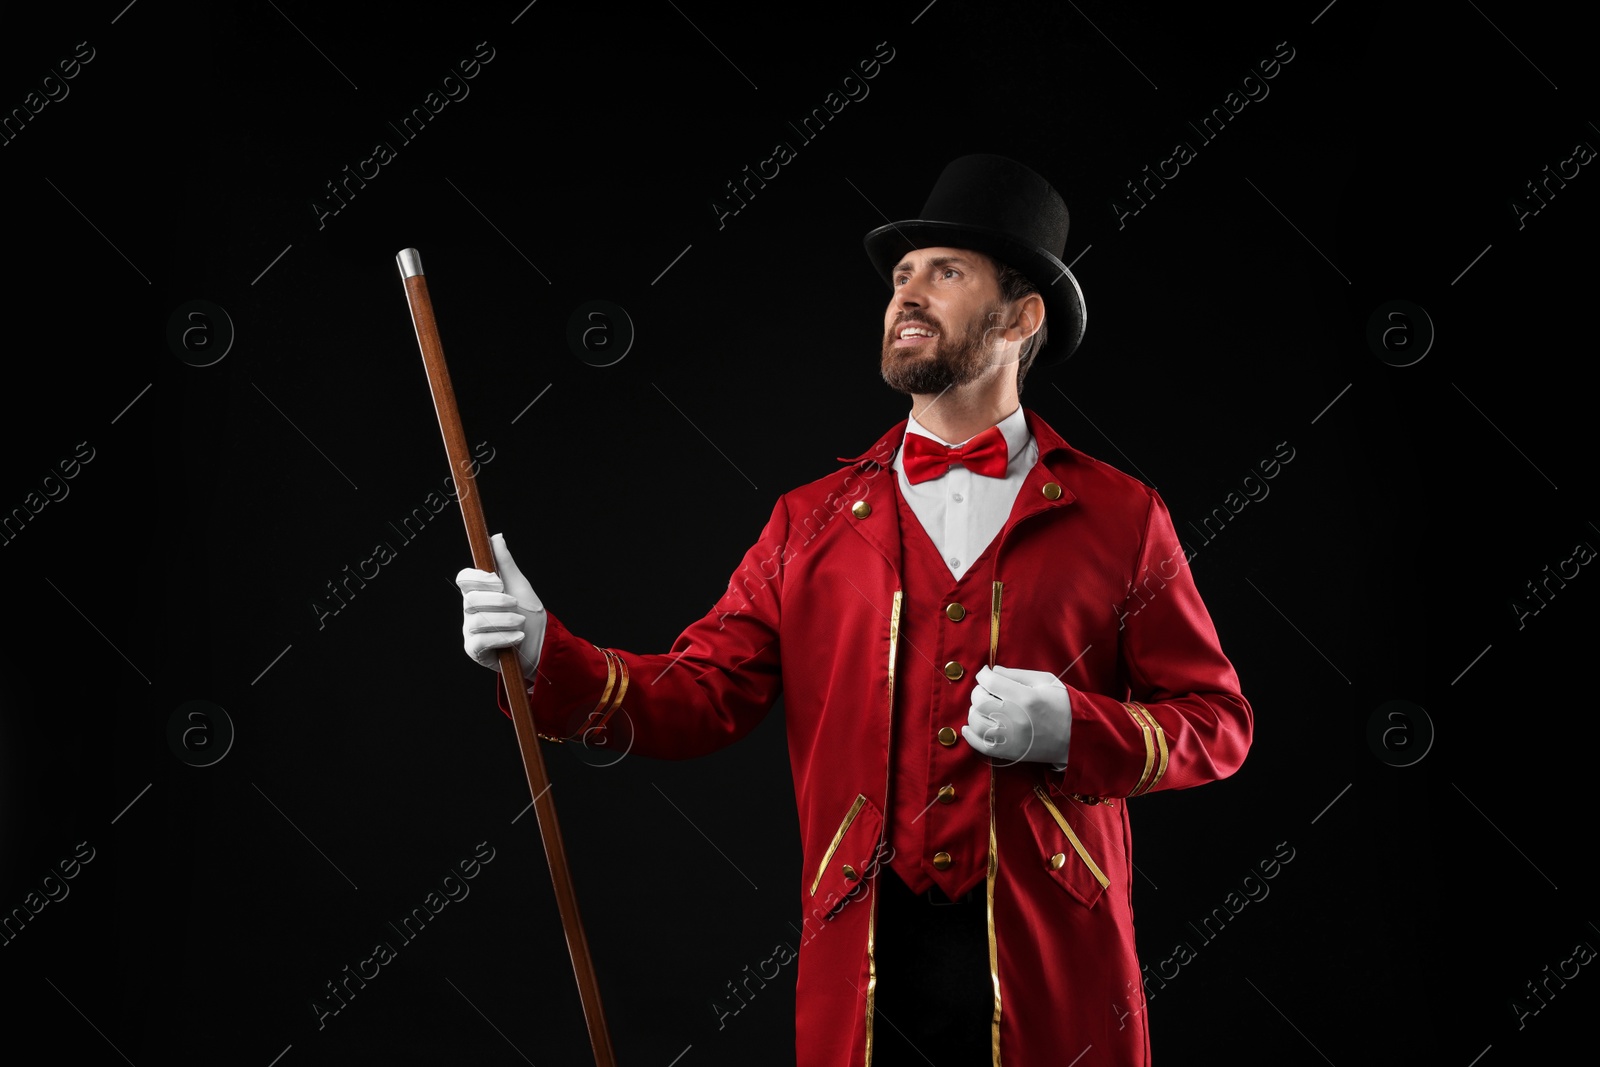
(1020, 715)
(500, 610)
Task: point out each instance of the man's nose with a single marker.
(909, 294)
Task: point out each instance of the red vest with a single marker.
(944, 631)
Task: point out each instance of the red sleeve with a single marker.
(1184, 721)
(717, 681)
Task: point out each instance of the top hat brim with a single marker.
(1065, 313)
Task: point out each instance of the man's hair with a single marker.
(1014, 285)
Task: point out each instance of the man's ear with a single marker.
(1027, 317)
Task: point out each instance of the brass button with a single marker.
(953, 670)
(861, 509)
(1052, 491)
(947, 794)
(955, 612)
(1057, 860)
(850, 872)
(947, 736)
(942, 861)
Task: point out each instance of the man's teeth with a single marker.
(915, 331)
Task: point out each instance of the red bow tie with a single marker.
(924, 458)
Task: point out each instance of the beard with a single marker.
(954, 360)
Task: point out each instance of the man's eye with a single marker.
(951, 270)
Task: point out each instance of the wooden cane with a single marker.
(455, 443)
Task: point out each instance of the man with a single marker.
(983, 649)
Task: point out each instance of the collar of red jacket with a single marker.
(1049, 484)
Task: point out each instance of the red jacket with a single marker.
(1094, 585)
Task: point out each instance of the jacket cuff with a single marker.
(577, 686)
(1155, 747)
(1118, 748)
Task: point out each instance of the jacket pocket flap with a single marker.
(849, 859)
(1064, 836)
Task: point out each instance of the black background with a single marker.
(1228, 315)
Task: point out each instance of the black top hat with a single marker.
(997, 206)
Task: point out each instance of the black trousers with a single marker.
(934, 998)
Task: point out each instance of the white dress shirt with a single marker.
(963, 511)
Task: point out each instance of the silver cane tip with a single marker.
(410, 261)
